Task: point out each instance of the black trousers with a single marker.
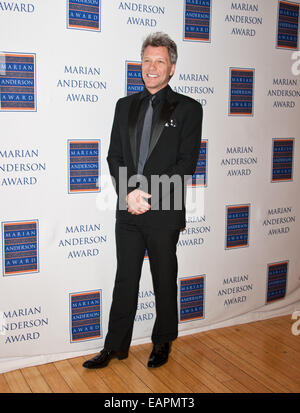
(131, 243)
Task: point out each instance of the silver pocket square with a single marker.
(171, 123)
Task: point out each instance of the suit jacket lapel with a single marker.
(165, 114)
(132, 125)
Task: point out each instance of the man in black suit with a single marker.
(154, 147)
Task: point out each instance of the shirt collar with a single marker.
(160, 95)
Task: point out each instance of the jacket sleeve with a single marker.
(115, 154)
(115, 158)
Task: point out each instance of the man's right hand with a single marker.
(136, 202)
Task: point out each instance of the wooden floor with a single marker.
(260, 357)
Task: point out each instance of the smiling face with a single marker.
(156, 68)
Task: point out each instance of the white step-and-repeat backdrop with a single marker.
(63, 65)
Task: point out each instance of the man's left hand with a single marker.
(136, 202)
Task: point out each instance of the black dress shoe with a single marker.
(103, 358)
(159, 355)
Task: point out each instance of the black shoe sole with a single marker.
(122, 356)
(105, 363)
(153, 366)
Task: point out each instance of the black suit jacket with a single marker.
(174, 150)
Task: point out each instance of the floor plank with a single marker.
(141, 370)
(214, 364)
(224, 361)
(16, 382)
(134, 383)
(240, 357)
(55, 381)
(163, 373)
(261, 349)
(35, 380)
(261, 361)
(73, 379)
(281, 334)
(4, 387)
(110, 378)
(199, 373)
(258, 357)
(94, 382)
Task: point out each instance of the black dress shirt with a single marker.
(158, 100)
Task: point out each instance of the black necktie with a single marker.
(145, 138)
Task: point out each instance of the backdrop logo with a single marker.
(287, 27)
(199, 178)
(241, 91)
(84, 166)
(237, 226)
(282, 166)
(83, 14)
(20, 247)
(277, 280)
(17, 82)
(85, 309)
(134, 81)
(197, 20)
(191, 298)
